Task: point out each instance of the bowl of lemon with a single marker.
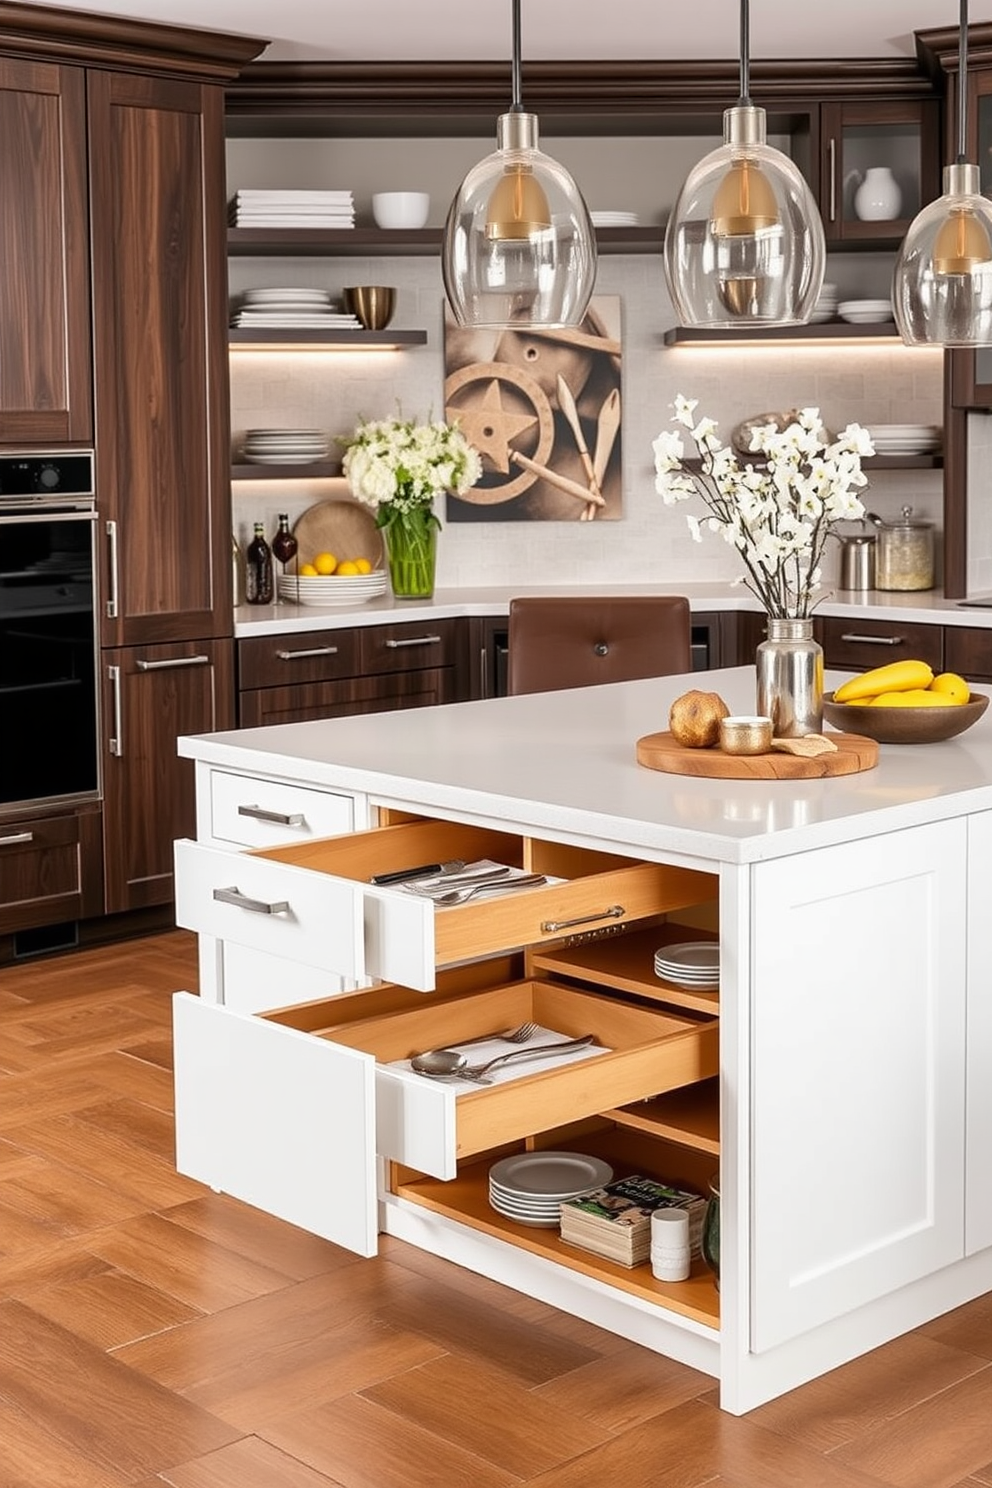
(326, 579)
(904, 703)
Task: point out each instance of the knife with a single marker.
(426, 870)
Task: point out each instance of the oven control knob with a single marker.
(49, 477)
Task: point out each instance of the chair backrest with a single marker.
(577, 642)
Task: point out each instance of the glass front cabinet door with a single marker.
(880, 162)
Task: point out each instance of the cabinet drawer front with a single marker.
(260, 813)
(314, 656)
(287, 912)
(968, 651)
(864, 644)
(431, 1124)
(403, 648)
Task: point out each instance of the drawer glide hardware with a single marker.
(551, 927)
(234, 896)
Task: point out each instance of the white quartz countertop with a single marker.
(565, 762)
(928, 607)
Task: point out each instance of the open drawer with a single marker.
(287, 1110)
(312, 902)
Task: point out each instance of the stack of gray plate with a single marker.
(530, 1187)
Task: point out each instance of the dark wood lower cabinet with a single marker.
(152, 695)
(859, 645)
(51, 869)
(968, 651)
(296, 704)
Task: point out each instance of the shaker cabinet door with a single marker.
(858, 1075)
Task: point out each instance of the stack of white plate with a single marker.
(285, 446)
(691, 963)
(299, 309)
(614, 219)
(826, 305)
(346, 589)
(865, 312)
(530, 1187)
(905, 439)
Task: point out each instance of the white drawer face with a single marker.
(302, 917)
(260, 813)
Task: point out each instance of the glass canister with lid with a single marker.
(904, 557)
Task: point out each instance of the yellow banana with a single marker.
(913, 697)
(895, 676)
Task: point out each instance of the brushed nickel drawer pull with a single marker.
(551, 927)
(170, 662)
(112, 574)
(281, 818)
(234, 896)
(13, 837)
(313, 651)
(115, 743)
(864, 640)
(427, 640)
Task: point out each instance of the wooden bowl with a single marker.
(926, 725)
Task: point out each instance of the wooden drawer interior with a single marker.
(651, 1051)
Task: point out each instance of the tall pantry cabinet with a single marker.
(163, 457)
(113, 333)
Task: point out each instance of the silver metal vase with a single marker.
(789, 667)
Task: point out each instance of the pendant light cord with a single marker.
(745, 98)
(963, 84)
(516, 106)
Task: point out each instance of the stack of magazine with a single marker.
(615, 1221)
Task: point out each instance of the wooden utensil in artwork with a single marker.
(566, 403)
(561, 482)
(607, 428)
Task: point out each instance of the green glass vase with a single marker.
(411, 550)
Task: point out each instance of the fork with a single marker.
(478, 1072)
(459, 896)
(511, 1036)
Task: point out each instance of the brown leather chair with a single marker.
(556, 643)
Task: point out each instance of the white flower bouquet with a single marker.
(777, 511)
(398, 466)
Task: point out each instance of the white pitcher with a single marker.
(878, 198)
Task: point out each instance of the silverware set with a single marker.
(447, 1064)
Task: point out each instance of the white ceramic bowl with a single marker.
(409, 209)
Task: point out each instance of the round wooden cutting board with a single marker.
(853, 753)
(340, 527)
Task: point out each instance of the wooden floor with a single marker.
(153, 1332)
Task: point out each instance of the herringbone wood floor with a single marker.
(152, 1332)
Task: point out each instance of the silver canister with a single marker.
(905, 552)
(857, 561)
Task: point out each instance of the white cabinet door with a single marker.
(858, 1062)
(978, 1214)
(277, 1118)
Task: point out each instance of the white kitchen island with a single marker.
(841, 1080)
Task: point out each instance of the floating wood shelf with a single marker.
(295, 242)
(314, 470)
(342, 339)
(829, 330)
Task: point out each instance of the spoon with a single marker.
(447, 1062)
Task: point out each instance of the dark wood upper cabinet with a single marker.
(902, 137)
(160, 342)
(45, 392)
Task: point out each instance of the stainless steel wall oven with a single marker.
(48, 639)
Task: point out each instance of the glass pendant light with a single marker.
(744, 244)
(942, 286)
(519, 248)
